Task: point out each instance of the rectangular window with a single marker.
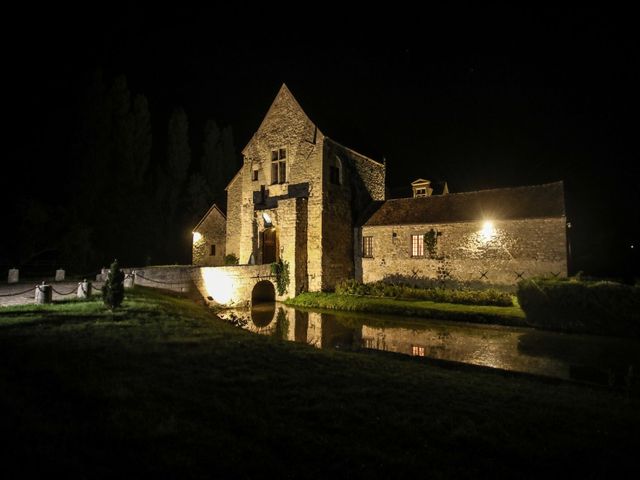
(421, 192)
(254, 176)
(213, 250)
(417, 245)
(367, 247)
(417, 351)
(279, 166)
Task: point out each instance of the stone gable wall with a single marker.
(213, 232)
(285, 126)
(529, 247)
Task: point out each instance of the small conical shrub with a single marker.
(113, 288)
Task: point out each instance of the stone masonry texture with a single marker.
(212, 230)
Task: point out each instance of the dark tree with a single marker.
(219, 162)
(211, 161)
(230, 160)
(198, 198)
(113, 288)
(142, 137)
(178, 156)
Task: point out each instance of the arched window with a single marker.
(335, 171)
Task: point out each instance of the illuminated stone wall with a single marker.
(234, 216)
(292, 225)
(231, 286)
(284, 126)
(312, 217)
(529, 247)
(211, 231)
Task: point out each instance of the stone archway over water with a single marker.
(262, 292)
(263, 306)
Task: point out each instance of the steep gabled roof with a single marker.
(536, 201)
(213, 208)
(331, 140)
(235, 177)
(283, 95)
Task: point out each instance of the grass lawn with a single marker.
(163, 388)
(420, 308)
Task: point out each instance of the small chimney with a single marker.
(421, 188)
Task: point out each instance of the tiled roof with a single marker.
(536, 201)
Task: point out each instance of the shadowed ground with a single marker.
(164, 388)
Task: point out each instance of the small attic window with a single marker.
(421, 192)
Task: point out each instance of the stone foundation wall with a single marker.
(177, 278)
(517, 249)
(231, 286)
(228, 286)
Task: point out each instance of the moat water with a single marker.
(588, 358)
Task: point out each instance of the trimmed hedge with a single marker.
(489, 314)
(442, 295)
(605, 308)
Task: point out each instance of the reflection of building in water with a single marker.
(315, 329)
(515, 349)
(491, 347)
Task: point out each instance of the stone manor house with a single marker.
(302, 197)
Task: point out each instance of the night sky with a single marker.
(479, 98)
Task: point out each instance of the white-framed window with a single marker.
(417, 351)
(367, 247)
(421, 192)
(278, 166)
(417, 245)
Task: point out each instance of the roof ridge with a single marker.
(521, 187)
(353, 151)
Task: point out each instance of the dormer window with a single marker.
(278, 166)
(421, 188)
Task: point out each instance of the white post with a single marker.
(43, 293)
(14, 275)
(84, 289)
(129, 280)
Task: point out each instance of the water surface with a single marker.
(590, 358)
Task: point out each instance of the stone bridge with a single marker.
(228, 286)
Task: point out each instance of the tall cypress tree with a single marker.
(211, 161)
(113, 288)
(230, 159)
(178, 157)
(142, 137)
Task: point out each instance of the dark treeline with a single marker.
(136, 192)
